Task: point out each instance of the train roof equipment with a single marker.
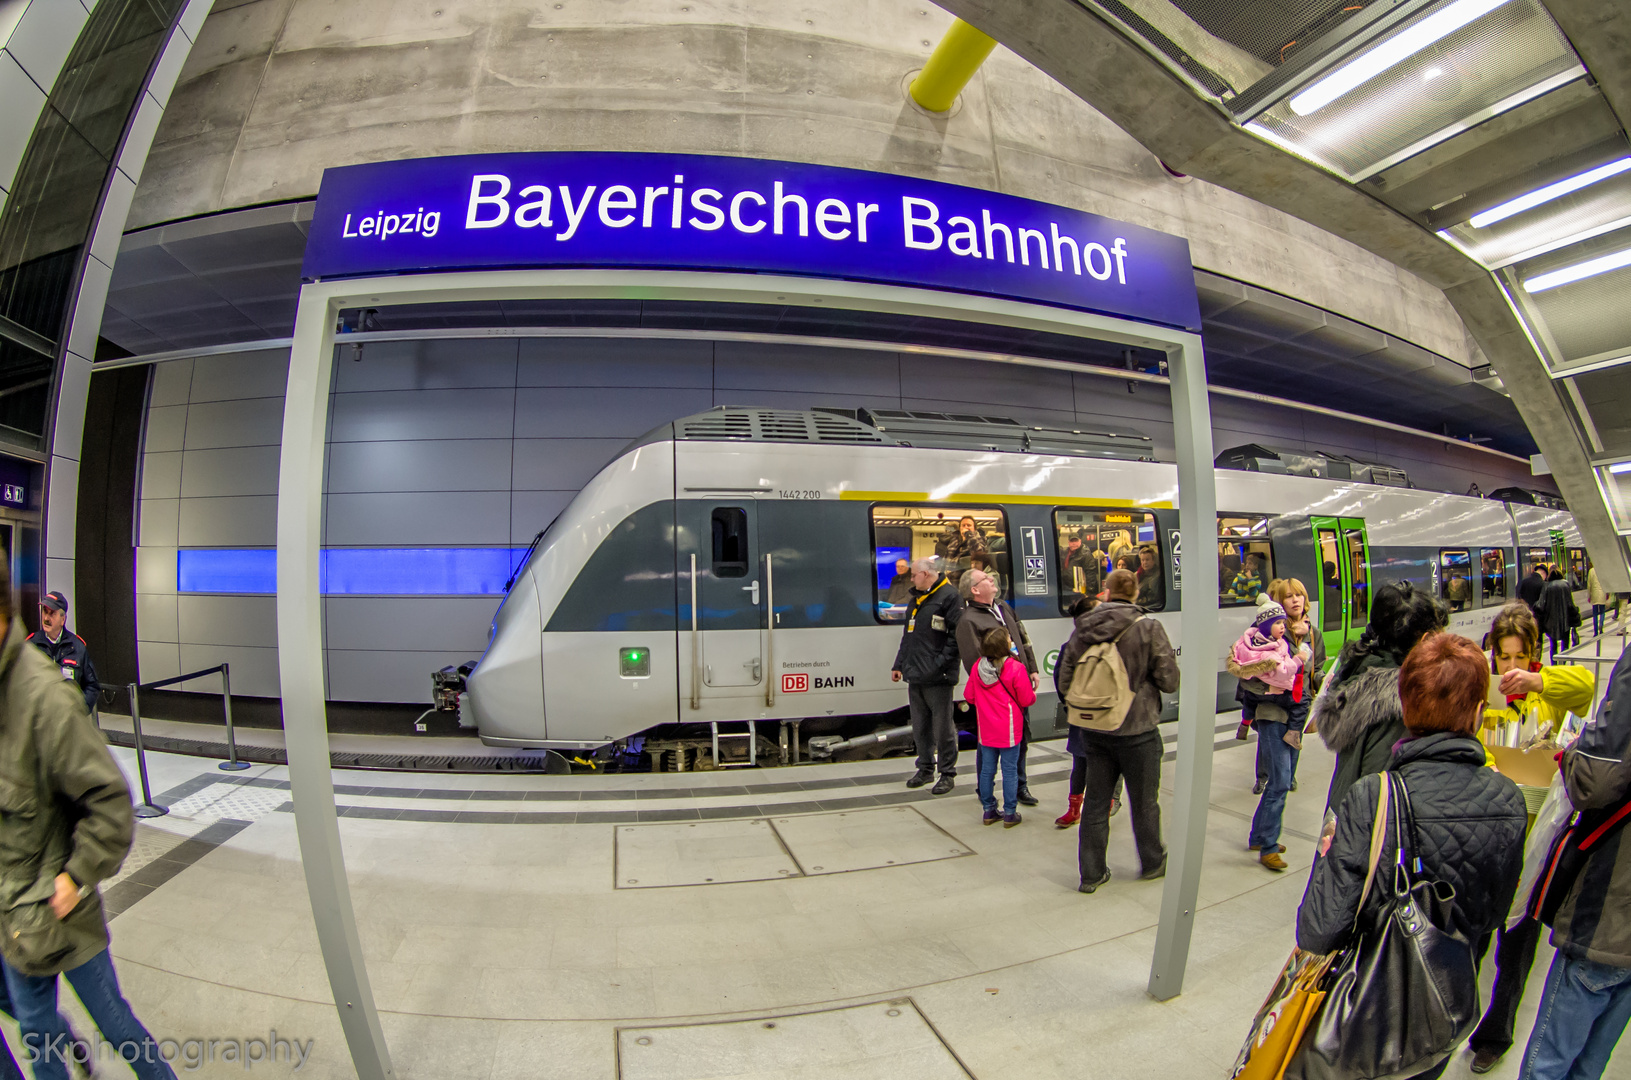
(899, 427)
(1324, 464)
(1527, 497)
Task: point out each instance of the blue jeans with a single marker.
(45, 1034)
(1008, 757)
(1582, 1013)
(1277, 756)
(1597, 613)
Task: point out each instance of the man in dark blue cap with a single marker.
(65, 648)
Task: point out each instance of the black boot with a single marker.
(921, 777)
(1025, 796)
(942, 785)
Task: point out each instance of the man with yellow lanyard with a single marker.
(927, 661)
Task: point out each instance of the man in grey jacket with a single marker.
(1132, 751)
(984, 612)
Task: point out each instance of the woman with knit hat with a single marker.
(1264, 657)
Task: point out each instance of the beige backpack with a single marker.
(1100, 692)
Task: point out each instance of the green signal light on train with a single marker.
(634, 662)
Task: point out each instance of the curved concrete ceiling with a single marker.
(1141, 91)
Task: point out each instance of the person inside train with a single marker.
(986, 611)
(1152, 589)
(1557, 612)
(966, 540)
(1530, 588)
(1330, 581)
(900, 586)
(1538, 699)
(1249, 581)
(1132, 750)
(927, 663)
(1358, 717)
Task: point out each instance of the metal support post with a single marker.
(145, 809)
(950, 67)
(231, 764)
(1197, 660)
(300, 671)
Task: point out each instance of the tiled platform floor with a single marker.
(501, 948)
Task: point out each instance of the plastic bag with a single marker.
(1552, 818)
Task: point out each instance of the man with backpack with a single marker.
(1113, 671)
(1585, 895)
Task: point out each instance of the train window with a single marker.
(1455, 579)
(730, 542)
(1094, 542)
(1492, 567)
(966, 537)
(1534, 558)
(1245, 558)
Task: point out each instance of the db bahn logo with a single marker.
(795, 684)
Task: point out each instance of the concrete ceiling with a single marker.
(1147, 84)
(235, 277)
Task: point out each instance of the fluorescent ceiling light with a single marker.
(1578, 272)
(1561, 242)
(1396, 49)
(1620, 469)
(1548, 193)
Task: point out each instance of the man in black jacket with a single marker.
(66, 649)
(984, 612)
(927, 661)
(1133, 750)
(1530, 588)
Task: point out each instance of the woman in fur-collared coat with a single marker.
(1357, 713)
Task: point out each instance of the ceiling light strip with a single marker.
(1563, 241)
(1568, 275)
(1472, 120)
(1392, 51)
(1541, 196)
(1588, 368)
(1270, 136)
(1620, 469)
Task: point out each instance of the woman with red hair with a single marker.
(1469, 820)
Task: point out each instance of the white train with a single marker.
(740, 565)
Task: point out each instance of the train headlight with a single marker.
(634, 662)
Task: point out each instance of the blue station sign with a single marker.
(695, 212)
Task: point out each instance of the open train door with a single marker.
(1345, 579)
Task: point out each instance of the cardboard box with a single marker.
(1531, 768)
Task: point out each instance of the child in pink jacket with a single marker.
(1000, 690)
(1264, 654)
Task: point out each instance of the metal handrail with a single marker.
(147, 809)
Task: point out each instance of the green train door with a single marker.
(1343, 552)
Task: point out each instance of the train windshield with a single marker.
(1092, 543)
(965, 537)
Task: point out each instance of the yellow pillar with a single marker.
(950, 67)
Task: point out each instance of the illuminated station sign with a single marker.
(693, 212)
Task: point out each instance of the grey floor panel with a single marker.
(883, 1041)
(699, 853)
(865, 840)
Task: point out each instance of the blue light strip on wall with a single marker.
(355, 571)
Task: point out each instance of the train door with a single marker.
(728, 653)
(1343, 551)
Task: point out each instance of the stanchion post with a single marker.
(146, 809)
(232, 764)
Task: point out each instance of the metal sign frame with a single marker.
(299, 606)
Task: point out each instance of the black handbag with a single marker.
(1405, 994)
